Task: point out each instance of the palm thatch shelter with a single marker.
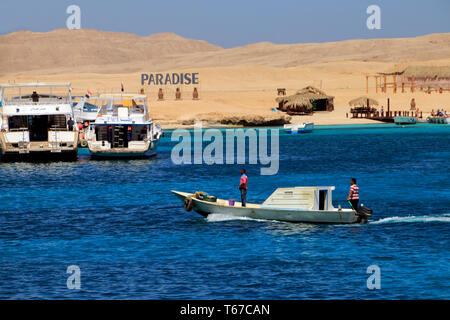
(305, 101)
(427, 72)
(362, 101)
(422, 77)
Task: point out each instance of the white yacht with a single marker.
(123, 128)
(37, 122)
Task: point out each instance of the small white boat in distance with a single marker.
(85, 109)
(123, 128)
(298, 204)
(438, 120)
(403, 120)
(299, 128)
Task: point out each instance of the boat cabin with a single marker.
(301, 198)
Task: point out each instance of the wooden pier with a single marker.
(387, 116)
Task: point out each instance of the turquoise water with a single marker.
(132, 239)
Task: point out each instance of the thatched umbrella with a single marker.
(362, 101)
(313, 93)
(296, 101)
(311, 89)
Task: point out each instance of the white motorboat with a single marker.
(123, 128)
(297, 204)
(306, 127)
(85, 108)
(37, 122)
(438, 120)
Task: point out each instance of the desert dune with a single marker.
(236, 82)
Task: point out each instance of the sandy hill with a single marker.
(112, 52)
(89, 49)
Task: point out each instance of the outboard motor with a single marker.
(363, 214)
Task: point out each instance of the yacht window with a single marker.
(18, 123)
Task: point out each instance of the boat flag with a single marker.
(88, 94)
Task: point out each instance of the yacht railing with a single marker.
(22, 144)
(27, 101)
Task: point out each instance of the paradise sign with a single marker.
(169, 78)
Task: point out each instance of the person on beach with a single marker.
(353, 196)
(413, 104)
(382, 111)
(243, 187)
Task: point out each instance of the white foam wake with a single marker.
(413, 219)
(218, 217)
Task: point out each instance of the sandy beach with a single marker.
(239, 82)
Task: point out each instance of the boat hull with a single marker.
(125, 153)
(40, 156)
(205, 208)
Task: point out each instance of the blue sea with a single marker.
(132, 239)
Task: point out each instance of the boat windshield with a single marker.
(134, 105)
(35, 94)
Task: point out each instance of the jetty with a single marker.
(368, 112)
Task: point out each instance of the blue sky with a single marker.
(230, 23)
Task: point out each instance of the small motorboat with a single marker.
(402, 120)
(438, 120)
(297, 204)
(299, 128)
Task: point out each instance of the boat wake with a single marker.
(413, 219)
(219, 217)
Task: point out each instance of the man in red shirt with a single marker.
(353, 196)
(243, 187)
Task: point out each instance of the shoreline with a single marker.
(374, 125)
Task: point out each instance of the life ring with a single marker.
(188, 203)
(83, 143)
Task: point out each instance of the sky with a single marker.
(230, 23)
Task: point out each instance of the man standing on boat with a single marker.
(353, 196)
(243, 187)
(70, 124)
